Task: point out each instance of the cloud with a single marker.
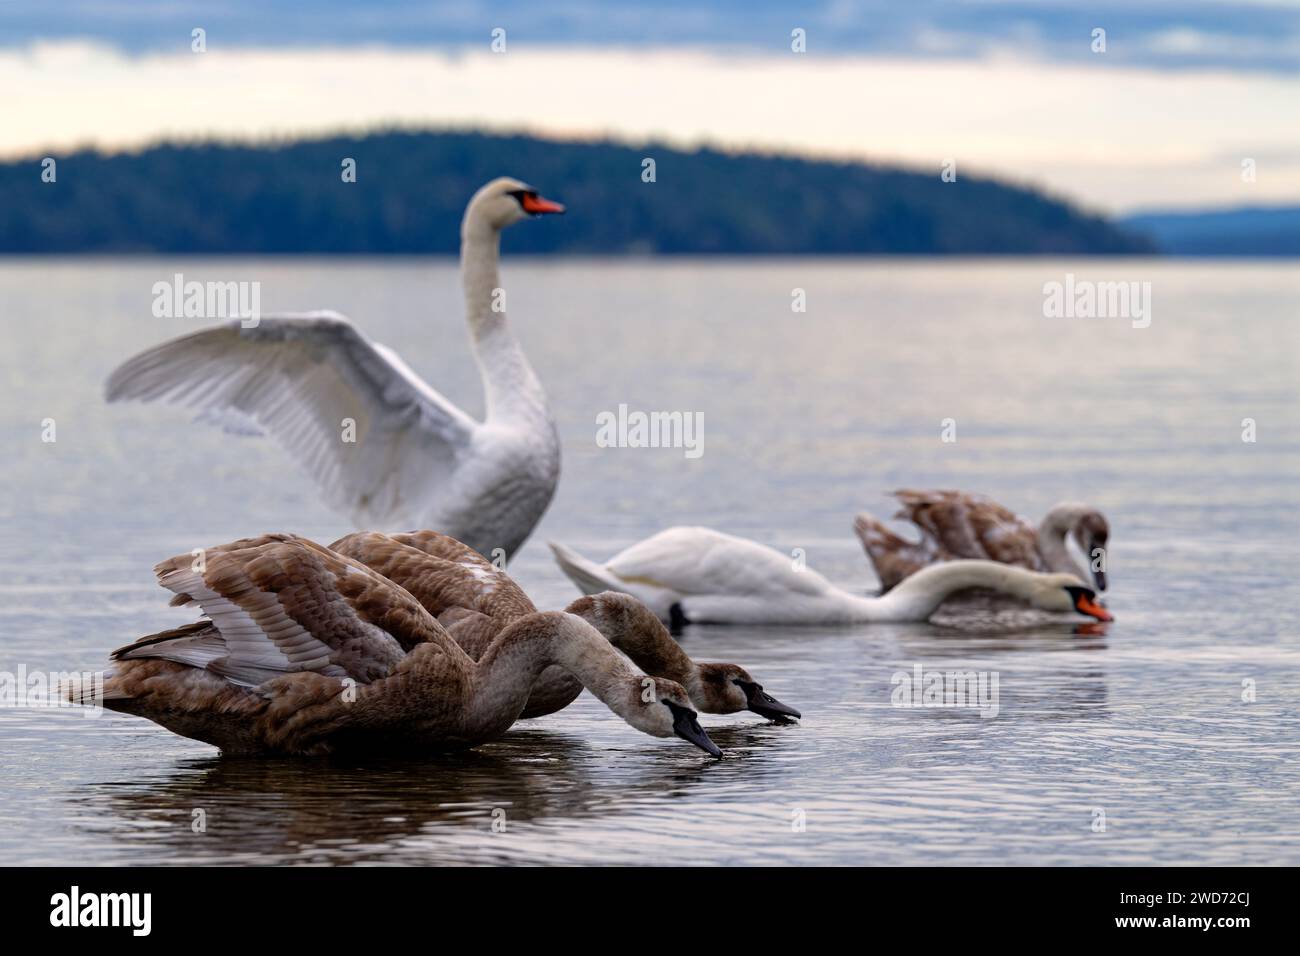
(1113, 137)
(1246, 35)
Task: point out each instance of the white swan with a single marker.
(417, 459)
(698, 575)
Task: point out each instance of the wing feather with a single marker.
(440, 572)
(963, 525)
(280, 604)
(298, 377)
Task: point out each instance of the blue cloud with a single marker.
(1258, 36)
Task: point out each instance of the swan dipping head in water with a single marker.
(693, 575)
(1065, 593)
(667, 712)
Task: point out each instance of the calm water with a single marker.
(808, 418)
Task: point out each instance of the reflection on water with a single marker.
(1178, 721)
(301, 810)
(448, 808)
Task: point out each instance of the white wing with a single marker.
(701, 561)
(298, 377)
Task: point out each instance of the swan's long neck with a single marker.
(1052, 532)
(919, 596)
(507, 671)
(512, 392)
(645, 640)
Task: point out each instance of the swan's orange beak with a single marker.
(1086, 605)
(537, 206)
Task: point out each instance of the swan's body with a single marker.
(471, 598)
(955, 524)
(305, 651)
(416, 460)
(474, 600)
(698, 575)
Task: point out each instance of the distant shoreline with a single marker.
(410, 188)
(634, 200)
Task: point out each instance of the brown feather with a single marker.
(953, 525)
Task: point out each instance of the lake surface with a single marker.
(809, 417)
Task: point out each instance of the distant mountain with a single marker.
(1242, 231)
(411, 188)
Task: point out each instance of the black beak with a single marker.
(688, 728)
(765, 705)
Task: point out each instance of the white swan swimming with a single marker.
(702, 576)
(417, 459)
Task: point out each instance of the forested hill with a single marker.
(411, 188)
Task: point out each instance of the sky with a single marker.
(1164, 117)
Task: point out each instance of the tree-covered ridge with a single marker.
(411, 188)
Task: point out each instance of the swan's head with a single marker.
(728, 689)
(1065, 592)
(664, 710)
(504, 202)
(1091, 533)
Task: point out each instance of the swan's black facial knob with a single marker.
(534, 204)
(1085, 602)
